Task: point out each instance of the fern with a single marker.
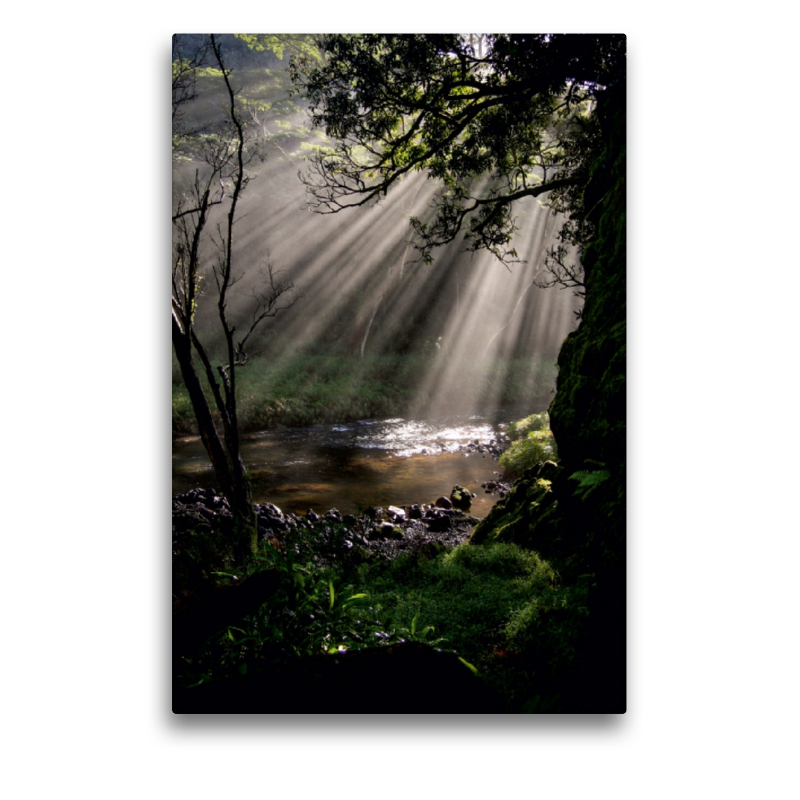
(588, 481)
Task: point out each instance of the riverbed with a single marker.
(355, 465)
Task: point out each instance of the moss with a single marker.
(579, 524)
(515, 517)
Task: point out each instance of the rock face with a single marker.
(574, 513)
(588, 413)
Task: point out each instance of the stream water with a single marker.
(355, 465)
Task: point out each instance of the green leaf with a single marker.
(467, 664)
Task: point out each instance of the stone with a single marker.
(386, 531)
(443, 502)
(461, 498)
(439, 523)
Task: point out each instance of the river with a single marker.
(355, 465)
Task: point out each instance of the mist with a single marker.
(364, 291)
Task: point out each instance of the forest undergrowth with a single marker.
(311, 389)
(502, 609)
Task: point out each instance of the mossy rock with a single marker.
(545, 510)
(461, 498)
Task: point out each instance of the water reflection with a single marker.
(355, 465)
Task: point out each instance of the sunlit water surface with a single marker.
(355, 465)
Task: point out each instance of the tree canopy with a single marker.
(496, 118)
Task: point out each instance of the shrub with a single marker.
(535, 422)
(532, 443)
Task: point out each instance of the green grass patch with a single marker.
(313, 389)
(501, 608)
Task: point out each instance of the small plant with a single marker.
(588, 481)
(521, 428)
(532, 443)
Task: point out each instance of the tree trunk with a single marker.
(229, 467)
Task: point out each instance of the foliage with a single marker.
(504, 609)
(532, 443)
(588, 481)
(313, 611)
(522, 455)
(534, 422)
(312, 388)
(495, 119)
(588, 411)
(302, 45)
(220, 156)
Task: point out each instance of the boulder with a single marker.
(386, 531)
(461, 498)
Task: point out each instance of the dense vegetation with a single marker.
(532, 443)
(310, 389)
(536, 602)
(575, 512)
(502, 609)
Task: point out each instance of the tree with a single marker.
(496, 118)
(203, 253)
(188, 55)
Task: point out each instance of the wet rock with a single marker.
(269, 510)
(271, 517)
(443, 502)
(334, 515)
(440, 522)
(496, 487)
(461, 498)
(386, 531)
(396, 513)
(372, 536)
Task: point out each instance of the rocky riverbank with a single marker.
(379, 532)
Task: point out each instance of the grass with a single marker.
(313, 389)
(502, 609)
